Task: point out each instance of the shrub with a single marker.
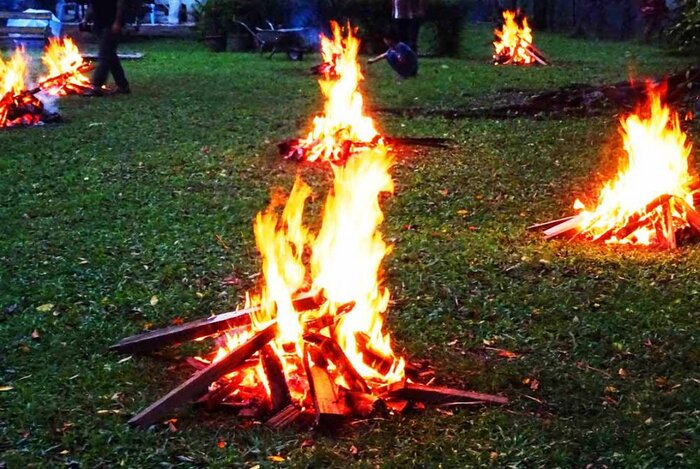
(684, 35)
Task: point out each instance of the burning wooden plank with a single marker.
(159, 338)
(200, 381)
(279, 391)
(443, 395)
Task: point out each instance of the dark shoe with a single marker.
(124, 90)
(93, 92)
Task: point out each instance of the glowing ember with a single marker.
(513, 44)
(62, 59)
(16, 106)
(343, 122)
(652, 195)
(339, 264)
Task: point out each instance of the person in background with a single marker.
(399, 56)
(108, 18)
(654, 13)
(408, 15)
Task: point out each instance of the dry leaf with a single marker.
(6, 388)
(221, 444)
(35, 335)
(45, 308)
(275, 458)
(154, 300)
(507, 354)
(534, 385)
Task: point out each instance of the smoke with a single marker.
(49, 101)
(305, 14)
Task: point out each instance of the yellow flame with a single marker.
(343, 118)
(62, 56)
(656, 165)
(512, 39)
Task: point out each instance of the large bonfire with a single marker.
(339, 265)
(652, 195)
(343, 128)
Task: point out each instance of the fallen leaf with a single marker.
(535, 385)
(611, 389)
(354, 450)
(507, 354)
(463, 212)
(154, 300)
(221, 444)
(177, 321)
(493, 455)
(308, 443)
(275, 458)
(45, 308)
(622, 372)
(35, 335)
(444, 192)
(6, 388)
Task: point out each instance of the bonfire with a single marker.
(17, 105)
(651, 198)
(65, 68)
(343, 129)
(313, 349)
(513, 42)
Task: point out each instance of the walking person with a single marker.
(408, 15)
(654, 13)
(108, 18)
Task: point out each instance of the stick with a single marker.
(638, 219)
(200, 381)
(154, 340)
(441, 395)
(329, 404)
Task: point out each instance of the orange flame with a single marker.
(343, 119)
(62, 57)
(657, 165)
(513, 39)
(13, 75)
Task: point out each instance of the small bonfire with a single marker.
(313, 350)
(343, 129)
(513, 42)
(652, 198)
(18, 106)
(66, 70)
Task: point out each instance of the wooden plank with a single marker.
(364, 405)
(332, 351)
(200, 381)
(442, 395)
(549, 224)
(21, 15)
(329, 404)
(692, 216)
(285, 417)
(564, 227)
(159, 338)
(276, 380)
(669, 229)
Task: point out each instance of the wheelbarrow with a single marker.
(293, 41)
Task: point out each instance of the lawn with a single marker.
(131, 213)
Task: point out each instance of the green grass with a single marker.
(126, 199)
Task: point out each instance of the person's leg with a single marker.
(415, 29)
(403, 29)
(99, 76)
(115, 65)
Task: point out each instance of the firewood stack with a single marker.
(325, 390)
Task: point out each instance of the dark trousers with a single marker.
(109, 61)
(408, 29)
